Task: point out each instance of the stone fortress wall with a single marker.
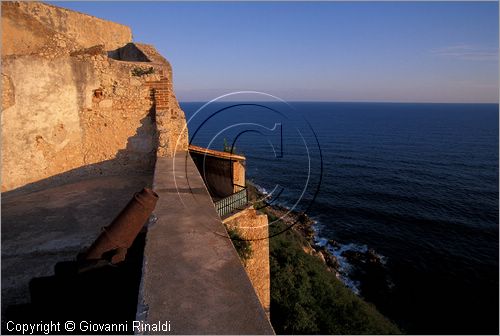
(81, 102)
(84, 103)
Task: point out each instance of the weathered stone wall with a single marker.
(75, 111)
(253, 226)
(31, 27)
(8, 98)
(41, 132)
(70, 111)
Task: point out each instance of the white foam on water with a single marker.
(262, 189)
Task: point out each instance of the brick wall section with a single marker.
(253, 226)
(170, 119)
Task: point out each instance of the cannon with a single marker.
(116, 238)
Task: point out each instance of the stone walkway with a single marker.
(192, 274)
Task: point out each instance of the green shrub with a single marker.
(229, 148)
(243, 247)
(138, 72)
(225, 147)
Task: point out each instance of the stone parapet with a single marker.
(29, 27)
(192, 275)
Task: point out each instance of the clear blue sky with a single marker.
(329, 51)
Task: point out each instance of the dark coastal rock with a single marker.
(353, 257)
(330, 260)
(333, 243)
(357, 257)
(372, 257)
(302, 218)
(325, 256)
(308, 233)
(299, 221)
(319, 255)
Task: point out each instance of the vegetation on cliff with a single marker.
(306, 296)
(242, 246)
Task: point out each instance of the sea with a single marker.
(416, 183)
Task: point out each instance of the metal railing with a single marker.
(235, 201)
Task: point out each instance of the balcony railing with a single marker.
(236, 201)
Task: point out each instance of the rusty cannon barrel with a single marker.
(118, 236)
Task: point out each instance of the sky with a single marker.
(320, 51)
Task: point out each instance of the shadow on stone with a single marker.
(51, 220)
(129, 53)
(137, 158)
(103, 294)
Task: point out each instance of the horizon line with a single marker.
(343, 101)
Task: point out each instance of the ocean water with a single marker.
(417, 183)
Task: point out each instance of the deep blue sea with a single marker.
(417, 183)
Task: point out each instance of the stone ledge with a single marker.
(192, 275)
